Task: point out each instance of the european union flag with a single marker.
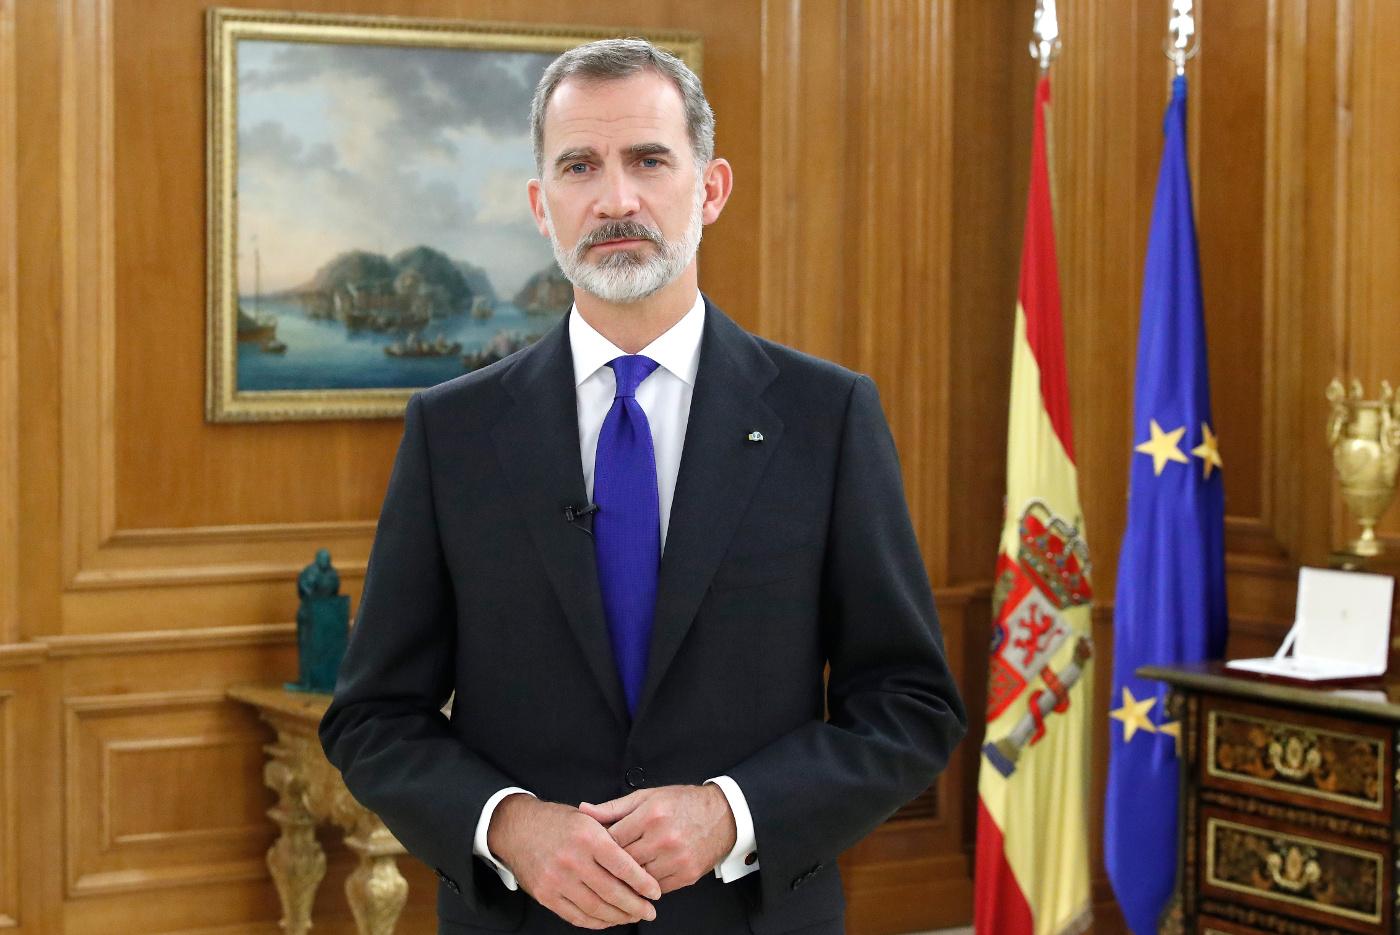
(1170, 605)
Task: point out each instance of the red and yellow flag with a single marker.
(1032, 875)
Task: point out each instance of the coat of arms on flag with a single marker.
(1048, 576)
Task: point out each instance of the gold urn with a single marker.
(1365, 438)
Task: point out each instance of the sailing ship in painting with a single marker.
(257, 326)
(415, 346)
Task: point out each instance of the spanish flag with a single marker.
(1032, 874)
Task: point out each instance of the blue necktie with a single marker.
(627, 528)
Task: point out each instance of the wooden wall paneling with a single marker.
(914, 874)
(86, 304)
(10, 873)
(1237, 196)
(29, 806)
(991, 99)
(900, 170)
(162, 790)
(38, 267)
(1374, 223)
(1109, 91)
(177, 863)
(992, 81)
(1284, 262)
(126, 609)
(1327, 156)
(9, 338)
(1229, 137)
(803, 214)
(129, 831)
(1322, 46)
(246, 553)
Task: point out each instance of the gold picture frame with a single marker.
(306, 201)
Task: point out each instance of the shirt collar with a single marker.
(678, 349)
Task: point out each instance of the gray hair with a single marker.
(611, 59)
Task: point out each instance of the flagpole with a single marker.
(1184, 42)
(1046, 44)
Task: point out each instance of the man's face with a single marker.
(620, 197)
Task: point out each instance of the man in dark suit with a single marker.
(630, 550)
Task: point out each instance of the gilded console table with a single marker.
(1290, 805)
(310, 792)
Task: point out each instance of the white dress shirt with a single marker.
(665, 398)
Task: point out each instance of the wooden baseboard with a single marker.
(916, 895)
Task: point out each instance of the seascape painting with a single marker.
(369, 214)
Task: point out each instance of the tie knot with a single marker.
(631, 371)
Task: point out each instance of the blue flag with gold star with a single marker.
(1170, 602)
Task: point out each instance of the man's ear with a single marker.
(718, 182)
(534, 189)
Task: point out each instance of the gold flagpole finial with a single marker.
(1184, 42)
(1046, 44)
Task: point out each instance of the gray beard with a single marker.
(625, 277)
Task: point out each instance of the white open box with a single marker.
(1341, 629)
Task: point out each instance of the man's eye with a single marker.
(577, 168)
(650, 162)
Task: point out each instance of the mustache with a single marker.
(618, 230)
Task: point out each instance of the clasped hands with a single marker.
(597, 866)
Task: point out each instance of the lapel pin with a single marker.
(755, 436)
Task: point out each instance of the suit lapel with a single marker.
(720, 468)
(537, 443)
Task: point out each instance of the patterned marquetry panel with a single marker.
(1340, 883)
(163, 789)
(1297, 758)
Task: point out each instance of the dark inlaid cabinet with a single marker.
(1288, 818)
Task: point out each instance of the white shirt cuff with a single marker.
(483, 825)
(743, 859)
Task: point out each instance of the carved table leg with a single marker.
(296, 861)
(375, 890)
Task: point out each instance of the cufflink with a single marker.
(755, 436)
(750, 858)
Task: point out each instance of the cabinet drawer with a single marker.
(1210, 925)
(1304, 759)
(1296, 872)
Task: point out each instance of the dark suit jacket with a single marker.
(781, 556)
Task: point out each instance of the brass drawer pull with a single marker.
(1293, 870)
(1294, 755)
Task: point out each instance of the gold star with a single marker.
(1172, 729)
(1163, 447)
(1208, 451)
(1133, 714)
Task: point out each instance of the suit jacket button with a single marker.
(635, 777)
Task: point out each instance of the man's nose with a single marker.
(618, 198)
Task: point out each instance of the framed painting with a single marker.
(368, 229)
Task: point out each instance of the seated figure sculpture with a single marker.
(323, 625)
